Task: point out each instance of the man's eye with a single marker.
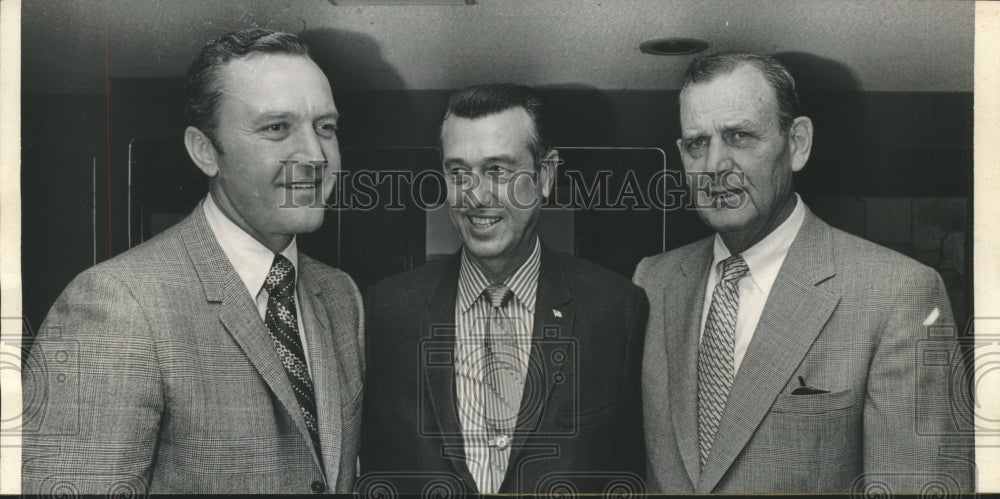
(459, 177)
(276, 128)
(327, 129)
(499, 174)
(695, 144)
(738, 136)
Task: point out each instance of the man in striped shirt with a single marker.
(506, 367)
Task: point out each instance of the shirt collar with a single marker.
(523, 282)
(251, 259)
(765, 258)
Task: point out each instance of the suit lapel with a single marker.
(682, 307)
(239, 314)
(439, 325)
(550, 333)
(795, 312)
(325, 363)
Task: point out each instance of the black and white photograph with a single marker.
(550, 247)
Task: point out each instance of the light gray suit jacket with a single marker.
(153, 371)
(848, 317)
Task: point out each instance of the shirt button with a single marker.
(502, 442)
(318, 487)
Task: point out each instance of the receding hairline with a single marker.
(524, 115)
(226, 67)
(760, 76)
(225, 72)
(732, 71)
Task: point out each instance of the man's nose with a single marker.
(482, 192)
(308, 146)
(719, 158)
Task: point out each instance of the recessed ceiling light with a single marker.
(673, 46)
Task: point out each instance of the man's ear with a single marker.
(201, 150)
(800, 138)
(547, 172)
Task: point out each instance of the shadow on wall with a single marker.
(851, 154)
(583, 115)
(830, 94)
(364, 84)
(580, 115)
(352, 61)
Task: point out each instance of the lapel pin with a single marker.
(557, 313)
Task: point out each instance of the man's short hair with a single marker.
(708, 67)
(483, 100)
(202, 84)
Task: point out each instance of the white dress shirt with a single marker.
(764, 260)
(252, 261)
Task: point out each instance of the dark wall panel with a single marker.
(62, 144)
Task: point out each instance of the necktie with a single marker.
(283, 325)
(715, 355)
(502, 384)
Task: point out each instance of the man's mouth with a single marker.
(725, 198)
(723, 192)
(483, 222)
(301, 185)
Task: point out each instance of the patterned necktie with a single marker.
(502, 383)
(282, 323)
(715, 355)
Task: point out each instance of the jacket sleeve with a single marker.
(633, 445)
(92, 394)
(917, 422)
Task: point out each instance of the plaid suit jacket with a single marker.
(153, 372)
(849, 317)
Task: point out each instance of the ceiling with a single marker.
(72, 46)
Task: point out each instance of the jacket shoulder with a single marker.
(162, 256)
(873, 261)
(327, 275)
(653, 268)
(583, 274)
(109, 298)
(415, 281)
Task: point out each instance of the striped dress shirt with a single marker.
(472, 313)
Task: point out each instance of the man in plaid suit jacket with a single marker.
(823, 374)
(161, 370)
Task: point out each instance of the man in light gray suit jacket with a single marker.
(783, 355)
(215, 357)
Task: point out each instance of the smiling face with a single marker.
(494, 191)
(730, 124)
(276, 110)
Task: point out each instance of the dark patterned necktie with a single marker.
(502, 382)
(715, 355)
(282, 323)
